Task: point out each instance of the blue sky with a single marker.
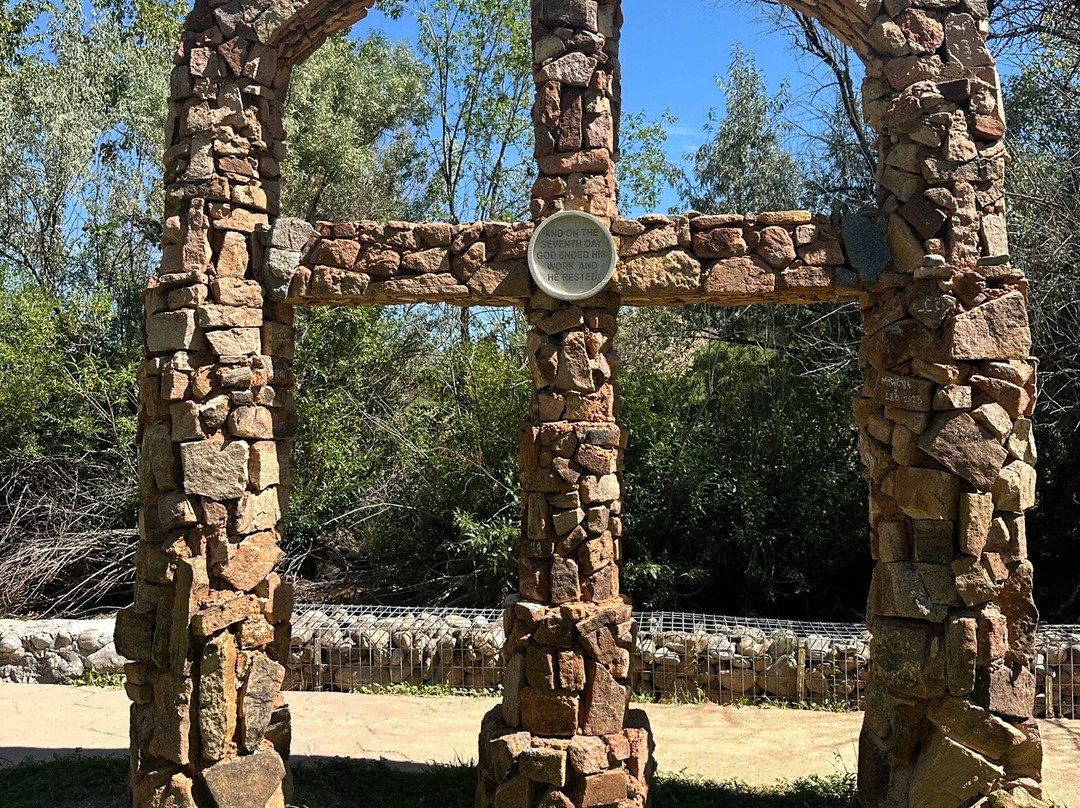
(671, 53)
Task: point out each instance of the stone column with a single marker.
(209, 628)
(944, 430)
(564, 735)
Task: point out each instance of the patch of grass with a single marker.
(71, 780)
(91, 678)
(344, 783)
(825, 706)
(832, 791)
(405, 689)
(78, 781)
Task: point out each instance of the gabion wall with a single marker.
(677, 656)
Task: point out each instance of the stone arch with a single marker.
(943, 413)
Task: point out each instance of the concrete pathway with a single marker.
(757, 746)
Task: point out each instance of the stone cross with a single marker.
(943, 413)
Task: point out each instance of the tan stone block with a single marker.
(544, 765)
(257, 697)
(213, 619)
(908, 657)
(606, 701)
(251, 422)
(775, 246)
(571, 671)
(953, 397)
(957, 442)
(975, 513)
(1014, 488)
(1014, 399)
(133, 634)
(252, 560)
(599, 489)
(1021, 443)
(249, 781)
(257, 511)
(506, 280)
(214, 468)
(741, 278)
(235, 341)
(720, 242)
(973, 582)
(172, 735)
(994, 419)
(552, 713)
(216, 316)
(961, 649)
(587, 754)
(995, 330)
(905, 450)
(892, 542)
(173, 331)
(605, 788)
(948, 773)
(234, 291)
(898, 590)
(926, 493)
(257, 634)
(217, 696)
(904, 393)
(896, 343)
(565, 585)
(516, 792)
(1006, 689)
(263, 468)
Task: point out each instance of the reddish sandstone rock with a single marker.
(995, 330)
(926, 493)
(606, 701)
(957, 442)
(552, 713)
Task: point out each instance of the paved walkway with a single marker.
(757, 746)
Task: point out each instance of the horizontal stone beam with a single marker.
(729, 260)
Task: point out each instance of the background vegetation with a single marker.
(744, 491)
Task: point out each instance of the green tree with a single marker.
(744, 166)
(352, 115)
(481, 93)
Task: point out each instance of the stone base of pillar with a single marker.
(520, 770)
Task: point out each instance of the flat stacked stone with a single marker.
(944, 430)
(209, 627)
(564, 735)
(781, 257)
(944, 414)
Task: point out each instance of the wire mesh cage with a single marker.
(1057, 672)
(678, 656)
(687, 657)
(358, 647)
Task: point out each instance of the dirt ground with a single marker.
(757, 746)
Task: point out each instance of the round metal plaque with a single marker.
(572, 255)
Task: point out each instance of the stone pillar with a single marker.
(209, 627)
(564, 735)
(576, 114)
(944, 430)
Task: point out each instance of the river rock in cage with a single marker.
(720, 649)
(816, 682)
(737, 680)
(781, 678)
(783, 643)
(818, 648)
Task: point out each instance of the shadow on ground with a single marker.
(78, 781)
